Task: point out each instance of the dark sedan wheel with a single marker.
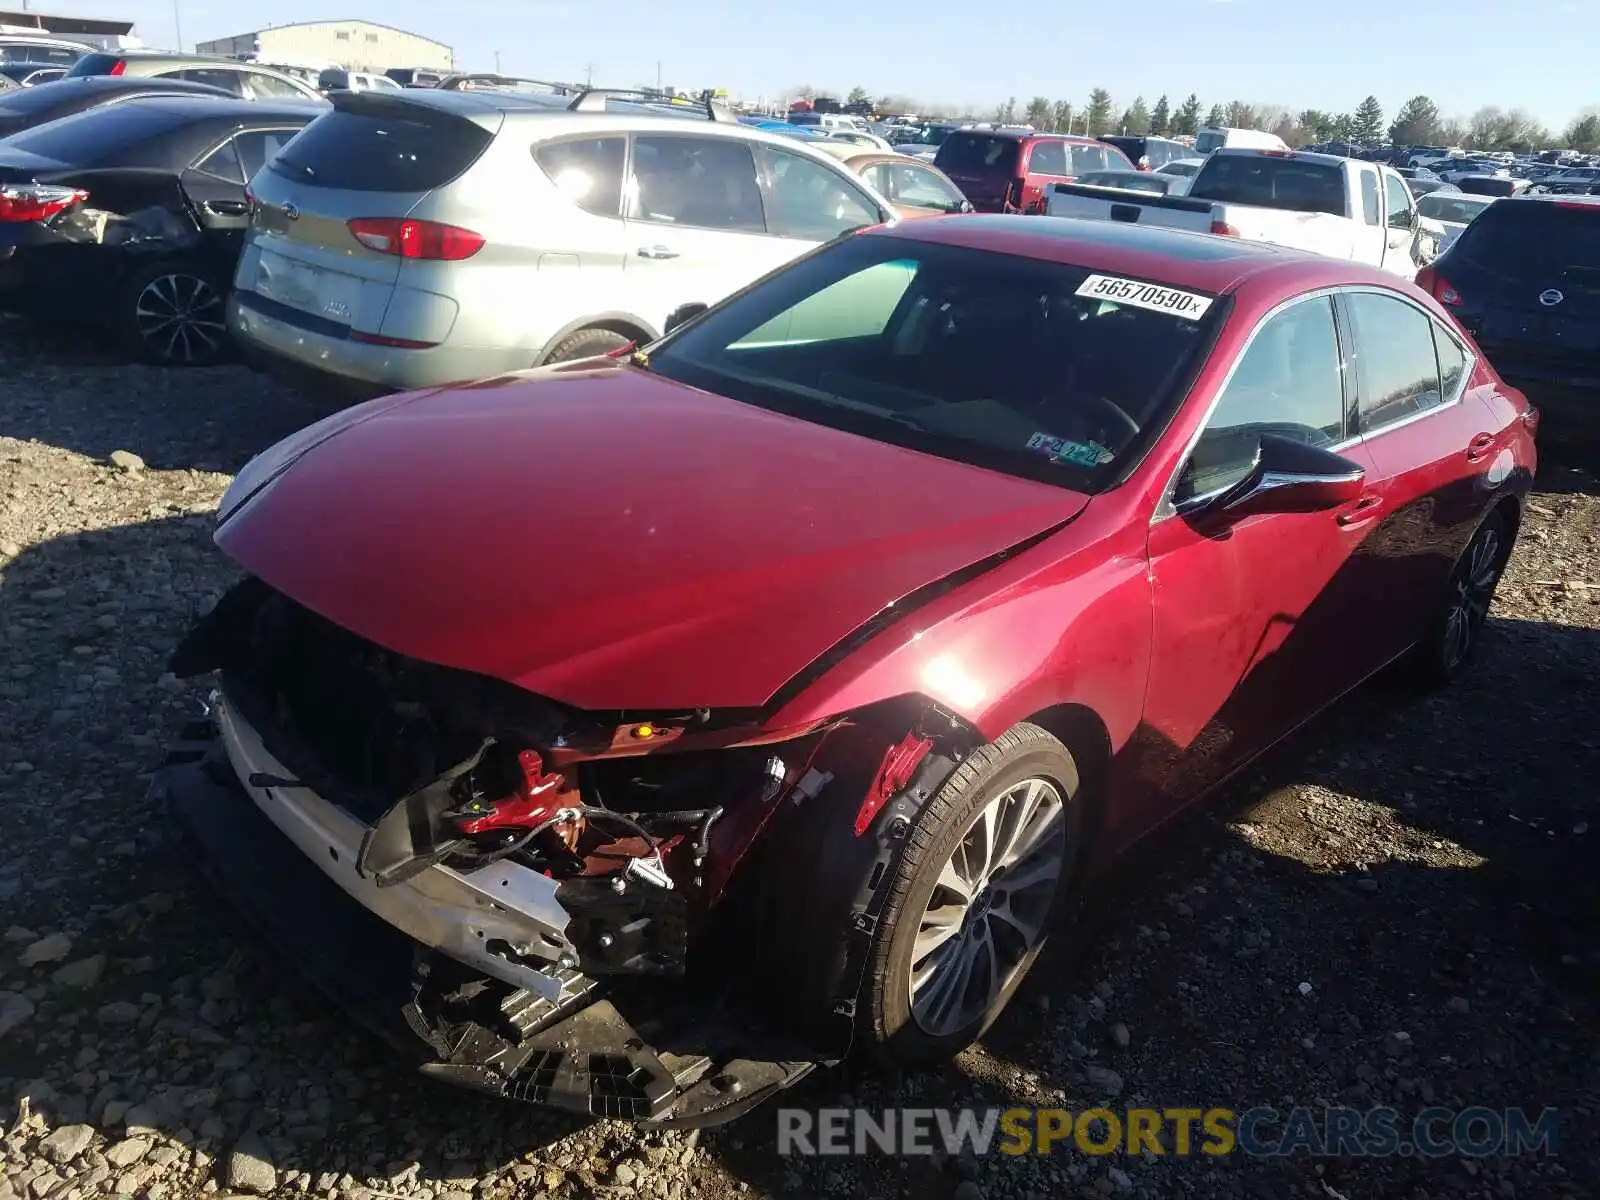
(986, 871)
(174, 314)
(1453, 637)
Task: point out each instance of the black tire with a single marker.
(174, 313)
(888, 1023)
(1450, 644)
(587, 343)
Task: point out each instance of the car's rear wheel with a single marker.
(587, 343)
(174, 314)
(986, 871)
(1451, 642)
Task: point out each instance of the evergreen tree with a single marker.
(1217, 118)
(1161, 118)
(1416, 124)
(1187, 120)
(1100, 116)
(1367, 126)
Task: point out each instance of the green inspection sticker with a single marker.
(1065, 450)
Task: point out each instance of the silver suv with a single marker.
(411, 239)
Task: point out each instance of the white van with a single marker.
(816, 120)
(1208, 140)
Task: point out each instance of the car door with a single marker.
(1252, 617)
(1370, 232)
(215, 187)
(1434, 446)
(579, 245)
(696, 223)
(1046, 164)
(1400, 227)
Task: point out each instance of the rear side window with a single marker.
(228, 81)
(367, 153)
(270, 87)
(978, 154)
(1395, 354)
(257, 147)
(587, 171)
(1272, 183)
(89, 138)
(707, 183)
(1048, 158)
(1096, 158)
(1370, 208)
(1523, 239)
(223, 163)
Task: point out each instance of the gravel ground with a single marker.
(1399, 907)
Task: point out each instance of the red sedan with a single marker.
(655, 727)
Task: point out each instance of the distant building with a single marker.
(93, 30)
(359, 45)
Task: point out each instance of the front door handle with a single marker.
(1362, 511)
(657, 252)
(1479, 447)
(226, 208)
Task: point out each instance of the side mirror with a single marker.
(1287, 476)
(682, 315)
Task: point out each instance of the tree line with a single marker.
(1417, 123)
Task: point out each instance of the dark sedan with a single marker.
(24, 108)
(131, 216)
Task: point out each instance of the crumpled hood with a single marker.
(611, 539)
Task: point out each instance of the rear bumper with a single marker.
(656, 1052)
(329, 362)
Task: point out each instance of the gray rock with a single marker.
(84, 973)
(1458, 1004)
(1120, 1035)
(15, 1009)
(17, 933)
(127, 1152)
(66, 1143)
(624, 1175)
(1103, 1079)
(967, 1190)
(249, 1168)
(51, 948)
(118, 1012)
(114, 1112)
(127, 461)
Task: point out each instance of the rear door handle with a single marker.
(657, 252)
(1480, 446)
(1362, 511)
(226, 208)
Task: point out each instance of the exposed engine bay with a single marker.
(545, 864)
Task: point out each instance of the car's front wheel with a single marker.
(986, 870)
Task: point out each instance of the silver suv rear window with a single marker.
(365, 152)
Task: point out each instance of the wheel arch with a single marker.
(1509, 507)
(1085, 735)
(626, 324)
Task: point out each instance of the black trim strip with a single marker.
(278, 311)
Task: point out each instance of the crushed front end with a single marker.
(539, 893)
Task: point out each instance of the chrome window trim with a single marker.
(1470, 363)
(1165, 508)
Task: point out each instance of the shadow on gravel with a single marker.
(94, 401)
(170, 1018)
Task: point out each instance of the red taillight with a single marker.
(406, 238)
(1437, 286)
(377, 339)
(118, 67)
(36, 201)
(1223, 229)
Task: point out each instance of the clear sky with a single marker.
(1533, 54)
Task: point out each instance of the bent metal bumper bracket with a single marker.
(660, 1053)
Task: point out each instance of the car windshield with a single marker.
(1039, 369)
(1458, 209)
(933, 135)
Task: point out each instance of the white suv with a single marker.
(415, 238)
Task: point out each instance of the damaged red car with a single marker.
(632, 735)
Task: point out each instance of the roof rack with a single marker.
(595, 100)
(487, 81)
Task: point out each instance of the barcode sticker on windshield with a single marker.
(1188, 305)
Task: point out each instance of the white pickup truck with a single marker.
(1341, 207)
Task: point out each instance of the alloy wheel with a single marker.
(1471, 592)
(180, 318)
(989, 906)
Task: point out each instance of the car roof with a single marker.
(1202, 261)
(1024, 135)
(203, 108)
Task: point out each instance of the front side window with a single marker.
(1010, 363)
(921, 188)
(811, 200)
(1393, 348)
(587, 171)
(1287, 383)
(1399, 202)
(703, 182)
